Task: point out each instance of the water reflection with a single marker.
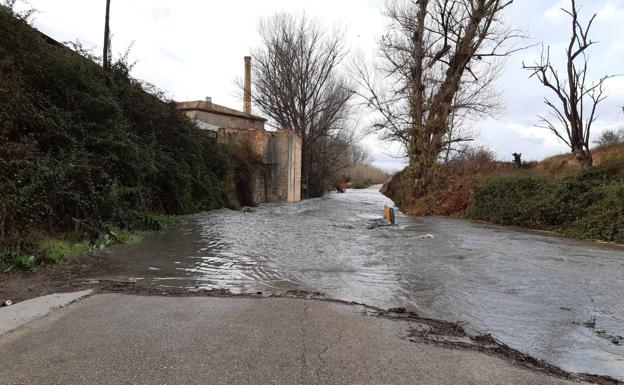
(529, 290)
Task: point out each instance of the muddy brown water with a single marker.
(531, 291)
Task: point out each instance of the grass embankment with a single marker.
(87, 158)
(552, 195)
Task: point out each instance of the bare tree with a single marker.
(106, 55)
(610, 137)
(574, 110)
(460, 131)
(439, 64)
(297, 85)
(357, 155)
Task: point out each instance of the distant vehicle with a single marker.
(342, 187)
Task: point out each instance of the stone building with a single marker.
(279, 150)
(210, 116)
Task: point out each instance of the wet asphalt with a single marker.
(124, 339)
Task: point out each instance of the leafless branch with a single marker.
(439, 60)
(574, 95)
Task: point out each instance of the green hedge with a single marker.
(83, 152)
(589, 204)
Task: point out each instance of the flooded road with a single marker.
(531, 291)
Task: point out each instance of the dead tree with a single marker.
(106, 55)
(297, 85)
(573, 111)
(437, 67)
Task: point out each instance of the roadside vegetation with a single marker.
(88, 157)
(587, 204)
(556, 194)
(442, 60)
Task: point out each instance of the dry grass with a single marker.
(566, 164)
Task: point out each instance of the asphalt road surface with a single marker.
(124, 339)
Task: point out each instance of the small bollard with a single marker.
(389, 215)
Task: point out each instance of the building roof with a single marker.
(201, 105)
(205, 126)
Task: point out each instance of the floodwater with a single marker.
(531, 291)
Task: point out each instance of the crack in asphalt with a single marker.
(323, 352)
(302, 332)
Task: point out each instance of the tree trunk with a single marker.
(584, 157)
(436, 124)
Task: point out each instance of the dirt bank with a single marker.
(19, 286)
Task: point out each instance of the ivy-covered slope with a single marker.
(82, 152)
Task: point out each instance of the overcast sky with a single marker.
(195, 48)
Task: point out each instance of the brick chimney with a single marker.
(247, 86)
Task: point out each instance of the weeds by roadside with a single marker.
(60, 250)
(22, 262)
(588, 204)
(591, 323)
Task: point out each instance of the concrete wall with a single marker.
(284, 154)
(257, 139)
(259, 187)
(281, 155)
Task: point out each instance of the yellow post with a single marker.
(389, 215)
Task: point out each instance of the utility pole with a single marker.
(106, 54)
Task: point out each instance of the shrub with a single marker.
(473, 154)
(610, 137)
(589, 204)
(86, 152)
(58, 251)
(508, 199)
(24, 262)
